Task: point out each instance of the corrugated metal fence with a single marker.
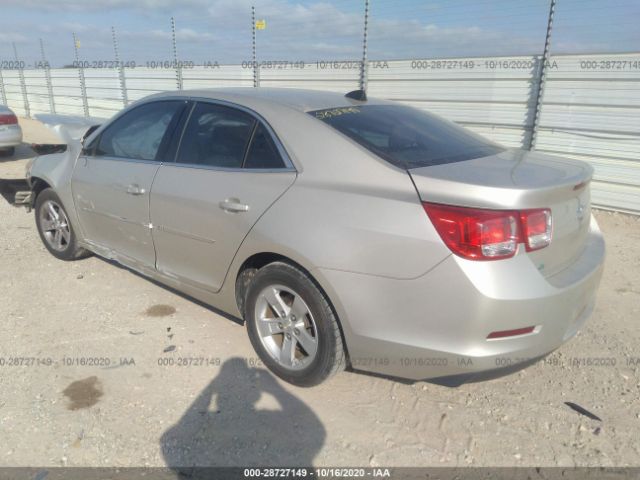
(590, 106)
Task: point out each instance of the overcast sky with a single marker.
(220, 30)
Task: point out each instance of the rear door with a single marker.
(229, 169)
(112, 180)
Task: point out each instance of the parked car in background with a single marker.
(343, 230)
(10, 131)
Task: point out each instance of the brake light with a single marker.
(482, 234)
(8, 119)
(536, 228)
(474, 233)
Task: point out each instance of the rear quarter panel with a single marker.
(346, 211)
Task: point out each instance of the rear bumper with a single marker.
(437, 325)
(10, 137)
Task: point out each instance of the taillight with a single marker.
(536, 228)
(475, 233)
(481, 234)
(8, 119)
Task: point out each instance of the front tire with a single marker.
(55, 229)
(292, 326)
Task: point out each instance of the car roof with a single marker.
(262, 98)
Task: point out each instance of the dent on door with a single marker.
(113, 207)
(111, 185)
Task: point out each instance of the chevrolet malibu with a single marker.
(345, 231)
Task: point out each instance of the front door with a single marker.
(112, 180)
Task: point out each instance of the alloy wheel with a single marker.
(286, 327)
(55, 226)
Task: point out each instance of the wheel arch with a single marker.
(256, 261)
(37, 186)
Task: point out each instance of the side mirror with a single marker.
(86, 135)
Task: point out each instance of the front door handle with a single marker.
(135, 189)
(233, 205)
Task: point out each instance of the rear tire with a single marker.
(55, 229)
(292, 326)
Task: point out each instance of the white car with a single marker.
(10, 131)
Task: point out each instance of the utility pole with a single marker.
(47, 76)
(542, 78)
(23, 84)
(256, 70)
(364, 67)
(175, 54)
(2, 92)
(123, 80)
(83, 85)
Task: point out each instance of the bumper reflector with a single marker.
(510, 333)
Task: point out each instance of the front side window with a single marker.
(138, 134)
(216, 136)
(407, 137)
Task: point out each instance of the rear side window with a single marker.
(138, 134)
(263, 152)
(407, 137)
(216, 136)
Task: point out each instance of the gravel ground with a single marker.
(136, 409)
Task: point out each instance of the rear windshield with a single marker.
(407, 137)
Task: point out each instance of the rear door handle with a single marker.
(233, 205)
(134, 189)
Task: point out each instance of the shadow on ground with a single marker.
(9, 187)
(114, 263)
(235, 431)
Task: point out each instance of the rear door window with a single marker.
(216, 136)
(407, 137)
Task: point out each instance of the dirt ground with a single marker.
(103, 385)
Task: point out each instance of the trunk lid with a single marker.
(518, 180)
